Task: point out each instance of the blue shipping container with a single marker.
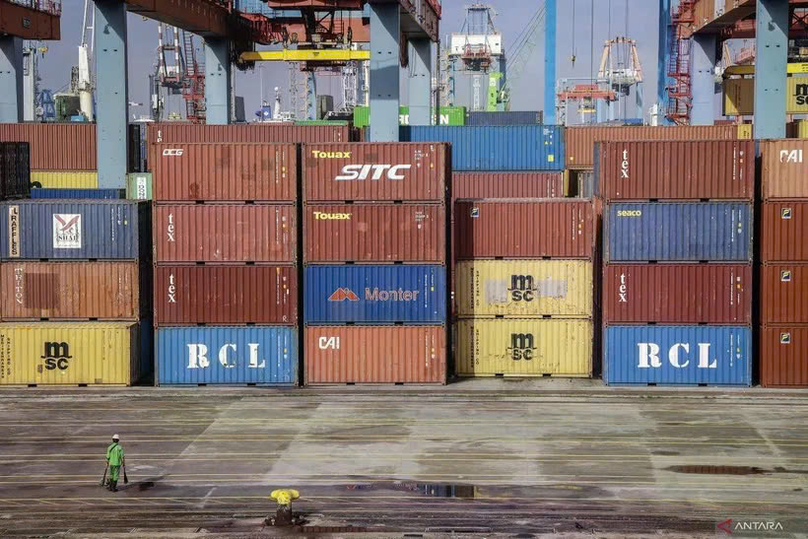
(678, 355)
(514, 117)
(222, 355)
(685, 232)
(77, 194)
(74, 230)
(375, 294)
(538, 147)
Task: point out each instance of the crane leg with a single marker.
(217, 81)
(420, 81)
(11, 79)
(385, 71)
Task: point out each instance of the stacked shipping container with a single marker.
(375, 251)
(15, 170)
(677, 290)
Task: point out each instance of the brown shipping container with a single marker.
(70, 291)
(508, 185)
(55, 146)
(375, 354)
(784, 231)
(225, 172)
(677, 294)
(785, 169)
(368, 172)
(677, 170)
(223, 233)
(222, 295)
(784, 294)
(524, 229)
(784, 356)
(375, 233)
(579, 142)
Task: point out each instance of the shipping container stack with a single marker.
(225, 273)
(783, 340)
(677, 283)
(375, 249)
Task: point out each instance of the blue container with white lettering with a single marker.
(679, 232)
(67, 193)
(375, 294)
(678, 355)
(226, 355)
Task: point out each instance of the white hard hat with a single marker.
(116, 437)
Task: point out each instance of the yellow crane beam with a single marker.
(305, 55)
(746, 69)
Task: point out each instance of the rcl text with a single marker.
(198, 356)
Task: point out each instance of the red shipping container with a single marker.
(784, 356)
(375, 354)
(784, 174)
(225, 172)
(223, 233)
(508, 185)
(524, 229)
(784, 293)
(677, 170)
(677, 294)
(378, 233)
(55, 146)
(784, 231)
(222, 295)
(375, 172)
(70, 291)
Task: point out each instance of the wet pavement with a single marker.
(488, 459)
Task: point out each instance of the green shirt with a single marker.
(115, 454)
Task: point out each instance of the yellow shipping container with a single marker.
(739, 96)
(524, 347)
(65, 179)
(525, 288)
(745, 131)
(69, 353)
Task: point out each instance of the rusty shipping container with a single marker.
(784, 171)
(225, 172)
(69, 146)
(185, 132)
(70, 291)
(580, 141)
(225, 233)
(784, 356)
(375, 233)
(676, 170)
(524, 229)
(225, 295)
(784, 229)
(375, 354)
(508, 185)
(784, 293)
(376, 172)
(677, 294)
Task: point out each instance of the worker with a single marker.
(115, 459)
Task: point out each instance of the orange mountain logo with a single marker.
(342, 294)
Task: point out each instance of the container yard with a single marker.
(394, 268)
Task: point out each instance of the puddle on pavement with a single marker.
(146, 485)
(718, 470)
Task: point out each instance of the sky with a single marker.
(576, 34)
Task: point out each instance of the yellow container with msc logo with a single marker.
(524, 347)
(70, 353)
(524, 288)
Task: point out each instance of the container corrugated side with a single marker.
(375, 294)
(784, 293)
(97, 229)
(70, 291)
(524, 347)
(539, 147)
(784, 229)
(375, 233)
(225, 172)
(679, 232)
(227, 355)
(677, 170)
(508, 185)
(784, 356)
(368, 172)
(78, 194)
(784, 171)
(225, 295)
(64, 179)
(67, 146)
(524, 288)
(524, 229)
(15, 169)
(504, 118)
(70, 353)
(678, 355)
(677, 294)
(375, 354)
(225, 233)
(448, 116)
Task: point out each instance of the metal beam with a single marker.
(112, 97)
(305, 55)
(702, 75)
(663, 55)
(771, 45)
(749, 69)
(272, 30)
(419, 18)
(27, 22)
(202, 17)
(420, 81)
(385, 71)
(11, 71)
(217, 81)
(550, 61)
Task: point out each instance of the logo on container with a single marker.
(322, 216)
(171, 229)
(172, 289)
(522, 346)
(629, 213)
(622, 290)
(56, 356)
(372, 172)
(624, 166)
(173, 152)
(649, 356)
(14, 231)
(786, 213)
(785, 337)
(317, 154)
(19, 285)
(328, 343)
(66, 231)
(791, 156)
(198, 356)
(785, 276)
(374, 294)
(343, 294)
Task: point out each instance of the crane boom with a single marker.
(523, 48)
